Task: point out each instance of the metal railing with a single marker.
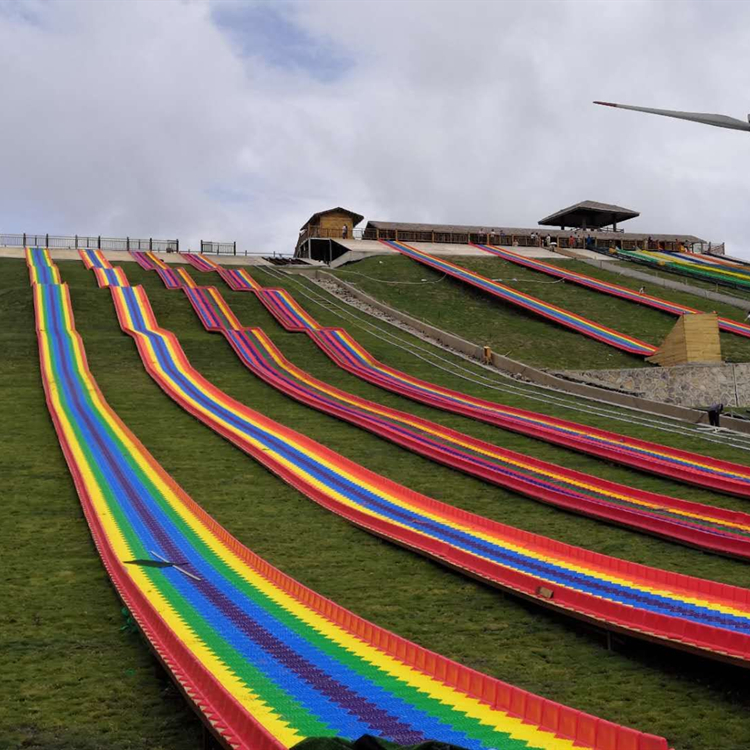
(98, 242)
(219, 248)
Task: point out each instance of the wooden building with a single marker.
(318, 232)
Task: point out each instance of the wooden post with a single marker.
(487, 355)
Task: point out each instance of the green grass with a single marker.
(73, 679)
(456, 307)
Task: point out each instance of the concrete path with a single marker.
(122, 256)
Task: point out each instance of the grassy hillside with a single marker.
(458, 308)
(74, 679)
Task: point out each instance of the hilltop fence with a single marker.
(90, 243)
(219, 248)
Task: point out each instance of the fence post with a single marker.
(127, 243)
(46, 240)
(150, 243)
(24, 239)
(201, 247)
(177, 245)
(235, 247)
(99, 242)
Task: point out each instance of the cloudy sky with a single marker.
(231, 120)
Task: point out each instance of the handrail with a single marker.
(78, 241)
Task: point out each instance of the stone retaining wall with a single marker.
(693, 386)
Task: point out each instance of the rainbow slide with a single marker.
(173, 278)
(146, 260)
(712, 261)
(666, 262)
(688, 613)
(699, 262)
(674, 308)
(104, 272)
(201, 262)
(683, 466)
(703, 526)
(266, 661)
(527, 302)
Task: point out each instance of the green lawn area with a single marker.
(456, 307)
(75, 679)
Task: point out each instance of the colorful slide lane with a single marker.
(148, 260)
(551, 312)
(110, 277)
(104, 272)
(725, 324)
(201, 262)
(688, 613)
(666, 262)
(176, 278)
(173, 278)
(707, 527)
(683, 466)
(43, 270)
(94, 259)
(701, 262)
(239, 279)
(267, 661)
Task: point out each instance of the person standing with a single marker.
(713, 414)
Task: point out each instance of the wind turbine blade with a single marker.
(719, 121)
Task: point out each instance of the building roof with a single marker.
(403, 226)
(589, 214)
(356, 218)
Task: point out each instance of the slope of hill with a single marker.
(75, 680)
(468, 312)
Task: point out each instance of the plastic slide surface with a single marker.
(43, 270)
(700, 264)
(238, 279)
(685, 612)
(667, 262)
(200, 262)
(175, 278)
(267, 661)
(705, 526)
(684, 466)
(147, 260)
(725, 324)
(94, 259)
(546, 310)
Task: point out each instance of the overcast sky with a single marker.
(237, 120)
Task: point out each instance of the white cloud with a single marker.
(237, 122)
